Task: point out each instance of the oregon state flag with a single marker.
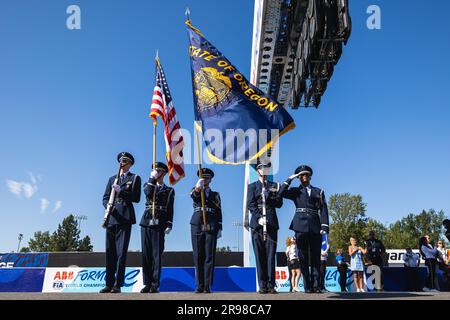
(238, 121)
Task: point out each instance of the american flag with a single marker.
(162, 106)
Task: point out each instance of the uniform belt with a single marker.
(211, 210)
(150, 207)
(307, 210)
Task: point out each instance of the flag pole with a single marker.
(200, 175)
(154, 155)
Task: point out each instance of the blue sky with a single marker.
(71, 100)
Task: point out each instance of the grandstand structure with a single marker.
(296, 45)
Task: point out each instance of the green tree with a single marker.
(42, 242)
(65, 238)
(85, 244)
(25, 249)
(377, 227)
(348, 219)
(224, 249)
(407, 231)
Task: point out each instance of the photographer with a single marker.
(430, 254)
(374, 254)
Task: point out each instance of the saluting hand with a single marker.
(167, 231)
(289, 180)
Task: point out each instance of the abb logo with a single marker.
(63, 275)
(280, 275)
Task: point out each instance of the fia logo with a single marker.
(58, 285)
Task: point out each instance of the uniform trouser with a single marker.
(152, 241)
(117, 241)
(204, 252)
(323, 271)
(309, 244)
(265, 252)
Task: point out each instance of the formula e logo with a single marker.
(58, 285)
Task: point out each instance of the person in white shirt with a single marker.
(292, 255)
(443, 264)
(430, 254)
(412, 261)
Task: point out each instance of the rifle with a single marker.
(112, 197)
(263, 195)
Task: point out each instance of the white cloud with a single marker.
(32, 178)
(44, 204)
(14, 187)
(29, 190)
(17, 188)
(58, 205)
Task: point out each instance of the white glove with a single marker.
(322, 232)
(219, 234)
(262, 221)
(154, 174)
(167, 231)
(116, 187)
(294, 176)
(200, 183)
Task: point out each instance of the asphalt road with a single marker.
(228, 296)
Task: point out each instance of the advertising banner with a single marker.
(23, 260)
(331, 280)
(87, 280)
(172, 279)
(21, 279)
(225, 279)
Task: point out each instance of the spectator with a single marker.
(429, 253)
(357, 264)
(443, 264)
(323, 264)
(342, 266)
(412, 261)
(375, 250)
(293, 259)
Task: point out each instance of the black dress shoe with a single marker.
(106, 290)
(199, 290)
(262, 291)
(153, 290)
(145, 289)
(116, 290)
(309, 291)
(207, 290)
(272, 291)
(318, 291)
